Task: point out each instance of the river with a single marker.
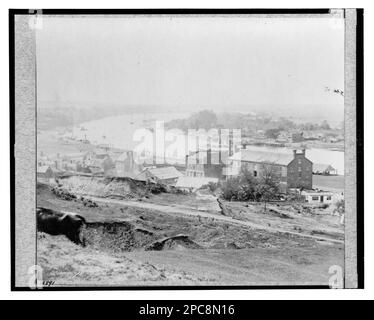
(118, 131)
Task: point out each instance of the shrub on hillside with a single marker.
(340, 207)
(212, 186)
(156, 188)
(247, 187)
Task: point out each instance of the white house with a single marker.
(317, 196)
(324, 169)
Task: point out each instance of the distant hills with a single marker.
(51, 114)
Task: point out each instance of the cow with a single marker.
(57, 223)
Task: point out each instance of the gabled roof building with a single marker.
(294, 170)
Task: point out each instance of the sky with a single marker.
(190, 61)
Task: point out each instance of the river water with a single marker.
(118, 131)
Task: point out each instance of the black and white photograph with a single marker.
(185, 149)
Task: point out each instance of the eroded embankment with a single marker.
(123, 236)
(123, 188)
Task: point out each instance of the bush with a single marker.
(340, 207)
(295, 197)
(212, 186)
(63, 194)
(156, 188)
(230, 189)
(246, 187)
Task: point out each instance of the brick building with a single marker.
(293, 170)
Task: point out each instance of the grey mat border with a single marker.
(350, 163)
(24, 148)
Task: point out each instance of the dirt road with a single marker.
(191, 212)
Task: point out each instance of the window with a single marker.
(328, 198)
(299, 169)
(299, 161)
(299, 174)
(315, 198)
(254, 173)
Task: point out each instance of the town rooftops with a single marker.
(194, 182)
(262, 157)
(320, 167)
(162, 173)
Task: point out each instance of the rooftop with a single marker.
(316, 192)
(320, 167)
(162, 173)
(42, 169)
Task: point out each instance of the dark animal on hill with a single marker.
(60, 223)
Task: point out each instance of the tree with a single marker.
(230, 188)
(286, 124)
(205, 119)
(325, 125)
(272, 133)
(247, 187)
(340, 207)
(248, 183)
(269, 183)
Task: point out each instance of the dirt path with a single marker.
(197, 213)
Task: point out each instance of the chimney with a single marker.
(303, 152)
(294, 153)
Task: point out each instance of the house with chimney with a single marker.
(294, 170)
